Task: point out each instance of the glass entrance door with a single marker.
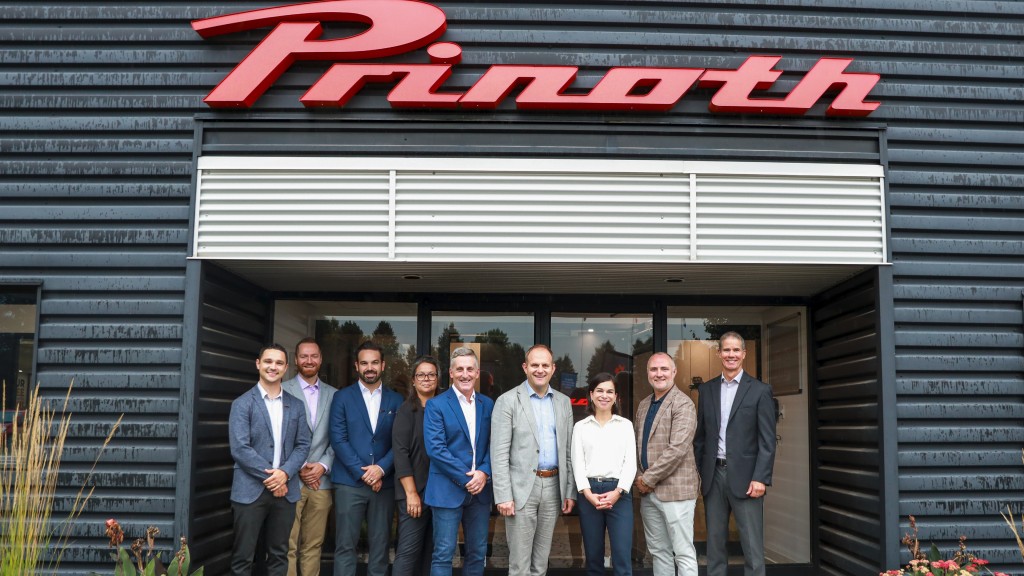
(586, 344)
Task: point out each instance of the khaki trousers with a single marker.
(529, 532)
(307, 538)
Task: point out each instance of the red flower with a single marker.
(114, 532)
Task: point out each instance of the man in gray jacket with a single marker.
(269, 443)
(314, 508)
(531, 433)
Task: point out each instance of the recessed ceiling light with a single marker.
(412, 277)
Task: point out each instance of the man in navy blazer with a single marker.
(362, 416)
(456, 434)
(269, 442)
(734, 446)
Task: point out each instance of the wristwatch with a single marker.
(622, 492)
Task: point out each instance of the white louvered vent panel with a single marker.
(515, 216)
(518, 210)
(285, 214)
(789, 219)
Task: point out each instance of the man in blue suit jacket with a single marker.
(456, 432)
(363, 472)
(269, 443)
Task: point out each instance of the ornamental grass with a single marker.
(30, 456)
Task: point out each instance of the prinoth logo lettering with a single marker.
(401, 26)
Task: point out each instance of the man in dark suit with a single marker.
(363, 472)
(314, 508)
(269, 442)
(735, 450)
(456, 432)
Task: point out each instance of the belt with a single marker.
(720, 462)
(547, 473)
(603, 479)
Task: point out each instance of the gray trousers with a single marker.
(749, 513)
(529, 532)
(351, 506)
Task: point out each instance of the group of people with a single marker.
(444, 459)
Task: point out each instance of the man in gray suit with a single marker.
(734, 447)
(531, 432)
(314, 508)
(269, 443)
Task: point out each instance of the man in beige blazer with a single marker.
(531, 435)
(667, 481)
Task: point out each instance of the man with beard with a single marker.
(313, 509)
(363, 471)
(531, 432)
(667, 482)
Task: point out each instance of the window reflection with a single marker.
(17, 349)
(500, 341)
(340, 327)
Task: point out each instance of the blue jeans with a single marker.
(619, 523)
(474, 516)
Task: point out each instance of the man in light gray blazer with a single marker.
(531, 435)
(314, 508)
(269, 443)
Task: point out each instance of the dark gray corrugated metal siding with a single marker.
(96, 107)
(847, 455)
(234, 319)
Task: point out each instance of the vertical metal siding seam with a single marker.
(884, 224)
(198, 197)
(392, 178)
(693, 216)
(887, 406)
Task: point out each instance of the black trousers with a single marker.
(272, 516)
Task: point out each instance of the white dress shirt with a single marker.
(468, 406)
(372, 401)
(276, 408)
(729, 388)
(607, 451)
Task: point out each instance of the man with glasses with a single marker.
(456, 432)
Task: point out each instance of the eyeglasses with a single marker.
(423, 377)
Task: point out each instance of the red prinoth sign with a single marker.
(400, 26)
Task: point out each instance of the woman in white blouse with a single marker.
(604, 465)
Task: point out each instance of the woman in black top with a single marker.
(415, 538)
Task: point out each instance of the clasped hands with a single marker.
(603, 501)
(373, 476)
(276, 482)
(310, 474)
(641, 487)
(477, 482)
